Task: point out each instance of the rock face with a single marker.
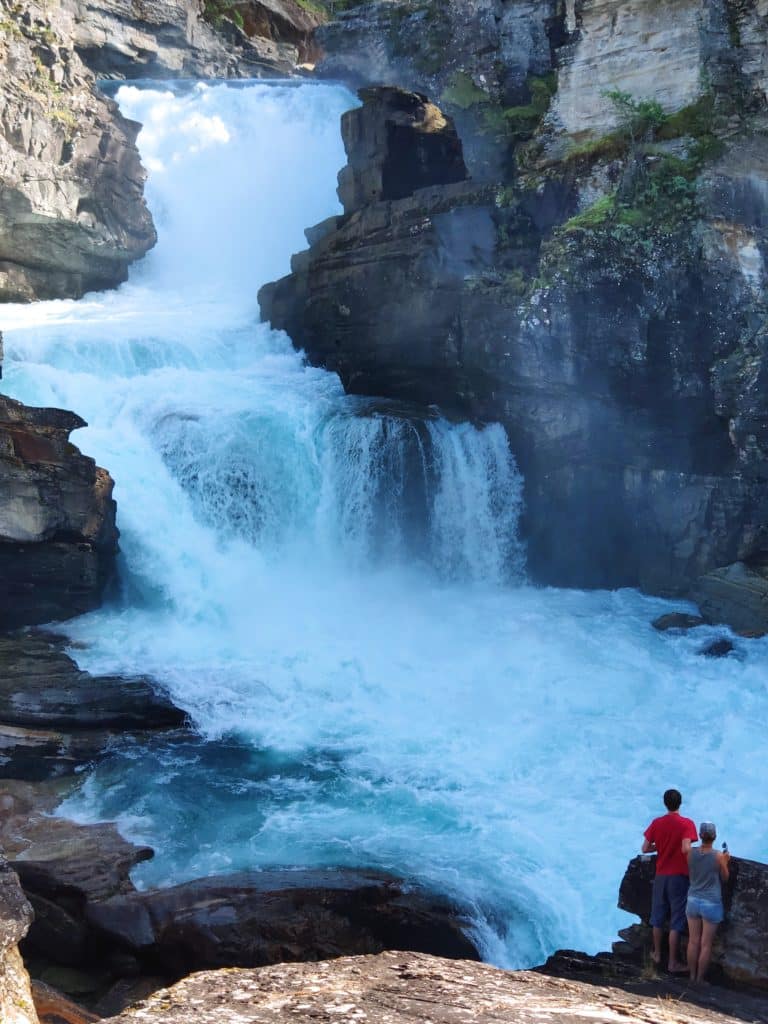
(72, 212)
(16, 1006)
(56, 719)
(172, 39)
(740, 953)
(604, 299)
(410, 988)
(271, 917)
(736, 595)
(57, 518)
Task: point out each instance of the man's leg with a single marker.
(677, 889)
(708, 930)
(659, 905)
(694, 944)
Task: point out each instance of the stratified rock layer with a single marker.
(56, 719)
(267, 917)
(57, 518)
(72, 212)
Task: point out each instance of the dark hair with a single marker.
(672, 799)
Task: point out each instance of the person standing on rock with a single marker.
(670, 836)
(704, 909)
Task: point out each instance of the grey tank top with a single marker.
(705, 876)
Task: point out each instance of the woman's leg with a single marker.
(694, 944)
(708, 930)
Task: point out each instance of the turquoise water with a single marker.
(337, 594)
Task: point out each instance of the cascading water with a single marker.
(333, 590)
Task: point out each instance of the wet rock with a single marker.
(72, 210)
(57, 860)
(410, 988)
(58, 537)
(258, 918)
(678, 621)
(54, 718)
(41, 686)
(717, 649)
(736, 595)
(740, 953)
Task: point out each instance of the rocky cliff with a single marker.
(599, 284)
(192, 39)
(57, 518)
(72, 212)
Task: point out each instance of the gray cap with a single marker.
(707, 830)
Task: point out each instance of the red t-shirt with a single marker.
(668, 833)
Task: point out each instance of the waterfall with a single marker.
(334, 590)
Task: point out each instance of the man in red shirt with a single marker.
(670, 836)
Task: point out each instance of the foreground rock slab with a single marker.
(404, 988)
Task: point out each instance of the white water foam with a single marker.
(329, 591)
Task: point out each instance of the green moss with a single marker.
(607, 147)
(462, 92)
(216, 11)
(593, 218)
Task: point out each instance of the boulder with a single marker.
(72, 210)
(267, 917)
(397, 142)
(58, 537)
(736, 595)
(681, 621)
(740, 954)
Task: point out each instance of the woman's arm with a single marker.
(722, 861)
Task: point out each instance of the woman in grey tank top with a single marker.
(707, 868)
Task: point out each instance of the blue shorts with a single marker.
(710, 910)
(669, 895)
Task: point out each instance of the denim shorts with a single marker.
(710, 910)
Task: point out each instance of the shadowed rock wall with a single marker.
(58, 537)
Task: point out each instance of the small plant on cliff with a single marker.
(217, 11)
(518, 124)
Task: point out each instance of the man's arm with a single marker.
(648, 846)
(687, 846)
